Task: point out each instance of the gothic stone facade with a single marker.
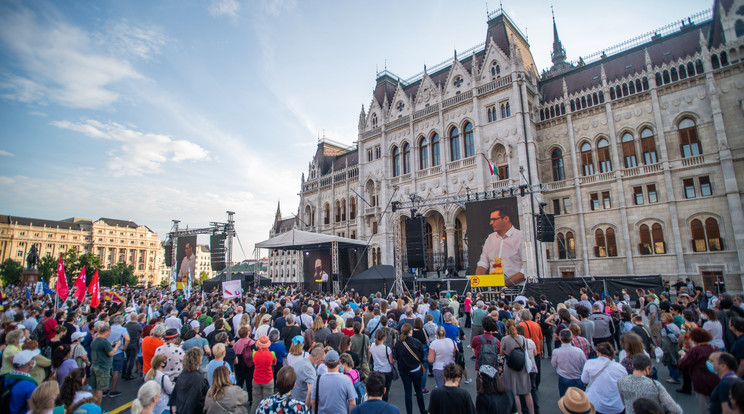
(638, 153)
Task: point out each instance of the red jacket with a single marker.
(703, 381)
(50, 324)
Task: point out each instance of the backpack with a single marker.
(517, 359)
(202, 321)
(39, 334)
(488, 354)
(186, 327)
(5, 391)
(544, 326)
(359, 387)
(247, 355)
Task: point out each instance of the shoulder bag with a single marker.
(598, 374)
(423, 369)
(459, 357)
(395, 373)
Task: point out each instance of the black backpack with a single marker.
(39, 334)
(517, 359)
(488, 354)
(5, 391)
(544, 326)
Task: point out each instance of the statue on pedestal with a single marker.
(32, 258)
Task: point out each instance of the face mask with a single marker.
(710, 367)
(703, 317)
(33, 364)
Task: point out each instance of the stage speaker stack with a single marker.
(217, 251)
(416, 245)
(168, 253)
(545, 228)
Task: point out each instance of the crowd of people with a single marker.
(282, 350)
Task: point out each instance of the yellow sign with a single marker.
(486, 280)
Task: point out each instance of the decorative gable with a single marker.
(458, 80)
(401, 104)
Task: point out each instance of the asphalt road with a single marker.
(547, 392)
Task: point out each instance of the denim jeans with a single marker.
(131, 358)
(674, 372)
(439, 377)
(565, 383)
(412, 380)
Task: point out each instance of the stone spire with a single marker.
(558, 55)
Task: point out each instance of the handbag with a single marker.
(396, 375)
(423, 368)
(459, 357)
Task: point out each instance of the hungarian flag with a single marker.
(80, 286)
(62, 289)
(490, 166)
(95, 291)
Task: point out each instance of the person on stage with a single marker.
(188, 265)
(505, 243)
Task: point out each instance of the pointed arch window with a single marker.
(648, 147)
(423, 154)
(343, 210)
(435, 158)
(338, 211)
(571, 245)
(600, 249)
(629, 150)
(706, 237)
(352, 208)
(327, 214)
(561, 241)
(556, 159)
(611, 243)
(396, 161)
(468, 140)
(587, 164)
(657, 235)
(603, 153)
(688, 138)
(644, 247)
(454, 144)
(406, 158)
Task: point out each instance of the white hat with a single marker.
(77, 335)
(24, 357)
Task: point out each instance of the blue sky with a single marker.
(160, 110)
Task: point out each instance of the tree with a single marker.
(201, 278)
(47, 267)
(11, 272)
(120, 274)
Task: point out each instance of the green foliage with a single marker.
(11, 272)
(201, 278)
(120, 274)
(47, 267)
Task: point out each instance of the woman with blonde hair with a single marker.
(245, 320)
(12, 340)
(42, 399)
(147, 398)
(166, 386)
(297, 350)
(223, 396)
(441, 353)
(517, 381)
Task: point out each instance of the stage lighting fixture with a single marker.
(521, 190)
(476, 196)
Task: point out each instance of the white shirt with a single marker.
(508, 248)
(173, 322)
(236, 321)
(604, 393)
(444, 352)
(188, 266)
(379, 355)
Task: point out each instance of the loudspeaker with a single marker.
(217, 251)
(416, 245)
(545, 228)
(168, 253)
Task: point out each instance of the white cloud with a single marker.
(138, 41)
(228, 8)
(140, 152)
(52, 61)
(6, 153)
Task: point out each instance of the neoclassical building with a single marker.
(112, 240)
(637, 150)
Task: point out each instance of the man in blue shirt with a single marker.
(451, 331)
(22, 384)
(737, 327)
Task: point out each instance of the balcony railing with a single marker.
(398, 122)
(693, 161)
(596, 178)
(557, 185)
(457, 99)
(642, 170)
(498, 83)
(426, 111)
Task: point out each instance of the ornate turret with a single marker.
(558, 55)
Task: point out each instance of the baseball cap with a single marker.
(77, 335)
(24, 357)
(331, 357)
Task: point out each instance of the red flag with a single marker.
(95, 291)
(80, 286)
(62, 289)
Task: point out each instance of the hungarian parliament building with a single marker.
(637, 150)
